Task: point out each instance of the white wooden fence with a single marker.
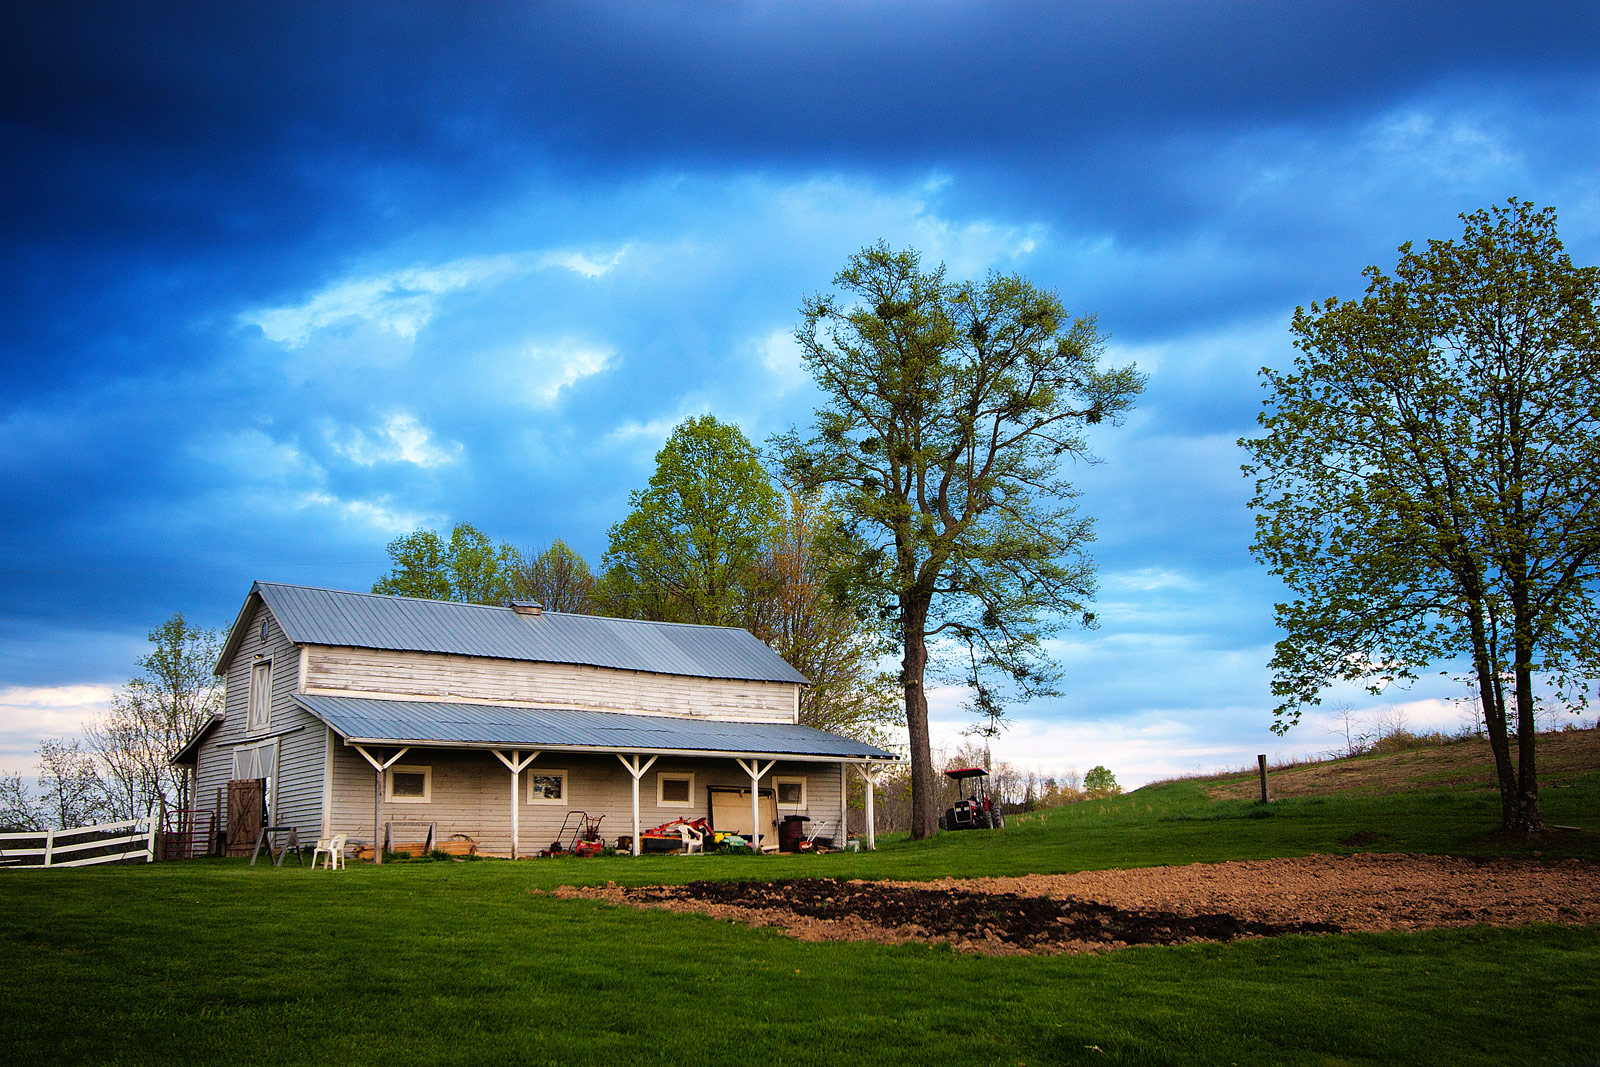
(133, 841)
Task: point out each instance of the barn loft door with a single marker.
(246, 808)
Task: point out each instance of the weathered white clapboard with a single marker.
(133, 841)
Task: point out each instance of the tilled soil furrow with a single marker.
(1099, 910)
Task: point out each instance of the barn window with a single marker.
(547, 787)
(260, 694)
(409, 784)
(791, 792)
(674, 790)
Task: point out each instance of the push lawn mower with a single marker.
(977, 808)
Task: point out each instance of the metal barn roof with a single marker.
(312, 616)
(429, 722)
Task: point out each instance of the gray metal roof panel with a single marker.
(440, 722)
(368, 620)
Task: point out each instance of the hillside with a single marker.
(1462, 766)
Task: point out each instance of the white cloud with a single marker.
(378, 514)
(401, 439)
(401, 302)
(586, 264)
(30, 713)
(543, 369)
(780, 354)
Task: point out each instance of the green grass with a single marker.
(217, 962)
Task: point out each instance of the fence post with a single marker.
(49, 843)
(150, 843)
(1261, 767)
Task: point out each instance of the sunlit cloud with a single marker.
(30, 713)
(378, 514)
(543, 370)
(400, 439)
(402, 302)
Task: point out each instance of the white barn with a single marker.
(360, 710)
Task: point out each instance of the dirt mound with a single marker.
(1096, 911)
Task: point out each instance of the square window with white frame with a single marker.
(791, 792)
(546, 786)
(674, 790)
(409, 784)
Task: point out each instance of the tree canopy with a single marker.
(1428, 482)
(691, 548)
(467, 568)
(950, 408)
(557, 578)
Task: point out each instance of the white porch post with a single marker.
(755, 771)
(637, 770)
(844, 805)
(377, 796)
(869, 774)
(516, 764)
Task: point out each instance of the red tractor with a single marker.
(977, 808)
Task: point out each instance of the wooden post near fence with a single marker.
(1261, 766)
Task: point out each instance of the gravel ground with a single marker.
(1097, 911)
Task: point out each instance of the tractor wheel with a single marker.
(999, 819)
(984, 821)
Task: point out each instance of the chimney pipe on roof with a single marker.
(527, 607)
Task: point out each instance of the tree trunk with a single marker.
(1529, 818)
(1494, 721)
(914, 666)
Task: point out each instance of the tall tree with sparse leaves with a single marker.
(821, 627)
(1428, 483)
(153, 716)
(950, 408)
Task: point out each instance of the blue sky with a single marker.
(282, 282)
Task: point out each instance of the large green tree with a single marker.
(1428, 483)
(950, 408)
(691, 548)
(469, 567)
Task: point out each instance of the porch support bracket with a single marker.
(516, 765)
(870, 774)
(755, 770)
(378, 767)
(637, 769)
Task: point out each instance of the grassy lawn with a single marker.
(213, 961)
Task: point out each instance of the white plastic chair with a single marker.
(333, 847)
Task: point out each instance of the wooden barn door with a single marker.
(246, 803)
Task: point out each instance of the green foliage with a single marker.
(691, 548)
(950, 408)
(1100, 782)
(1428, 481)
(557, 578)
(468, 568)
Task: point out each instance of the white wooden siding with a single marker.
(298, 800)
(433, 676)
(472, 795)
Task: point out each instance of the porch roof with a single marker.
(365, 720)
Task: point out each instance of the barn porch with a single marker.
(507, 776)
